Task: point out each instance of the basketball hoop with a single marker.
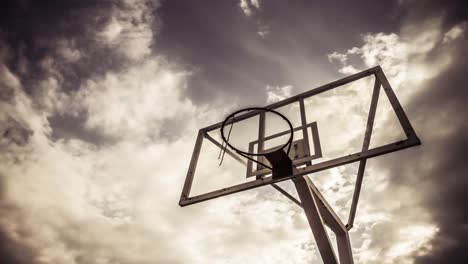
(281, 163)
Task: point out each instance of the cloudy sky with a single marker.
(100, 103)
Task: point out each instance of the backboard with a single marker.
(332, 126)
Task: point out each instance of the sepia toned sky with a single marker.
(101, 101)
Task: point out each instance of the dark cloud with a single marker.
(33, 29)
(6, 93)
(36, 30)
(68, 126)
(16, 133)
(231, 59)
(12, 251)
(33, 34)
(442, 116)
(437, 169)
(208, 37)
(454, 11)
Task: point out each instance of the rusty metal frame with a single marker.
(410, 141)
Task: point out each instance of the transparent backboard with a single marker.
(349, 120)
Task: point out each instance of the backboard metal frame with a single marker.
(298, 173)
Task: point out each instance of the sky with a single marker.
(101, 101)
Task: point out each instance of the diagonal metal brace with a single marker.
(285, 193)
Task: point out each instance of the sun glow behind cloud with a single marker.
(405, 59)
(413, 239)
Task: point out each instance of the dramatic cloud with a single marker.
(67, 199)
(100, 103)
(423, 66)
(129, 30)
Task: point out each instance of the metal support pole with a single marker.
(344, 248)
(334, 222)
(325, 212)
(315, 220)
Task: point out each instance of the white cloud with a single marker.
(342, 58)
(74, 202)
(348, 69)
(278, 93)
(402, 56)
(335, 56)
(263, 31)
(419, 234)
(134, 102)
(119, 203)
(255, 3)
(248, 6)
(112, 30)
(67, 49)
(385, 226)
(130, 29)
(82, 203)
(455, 32)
